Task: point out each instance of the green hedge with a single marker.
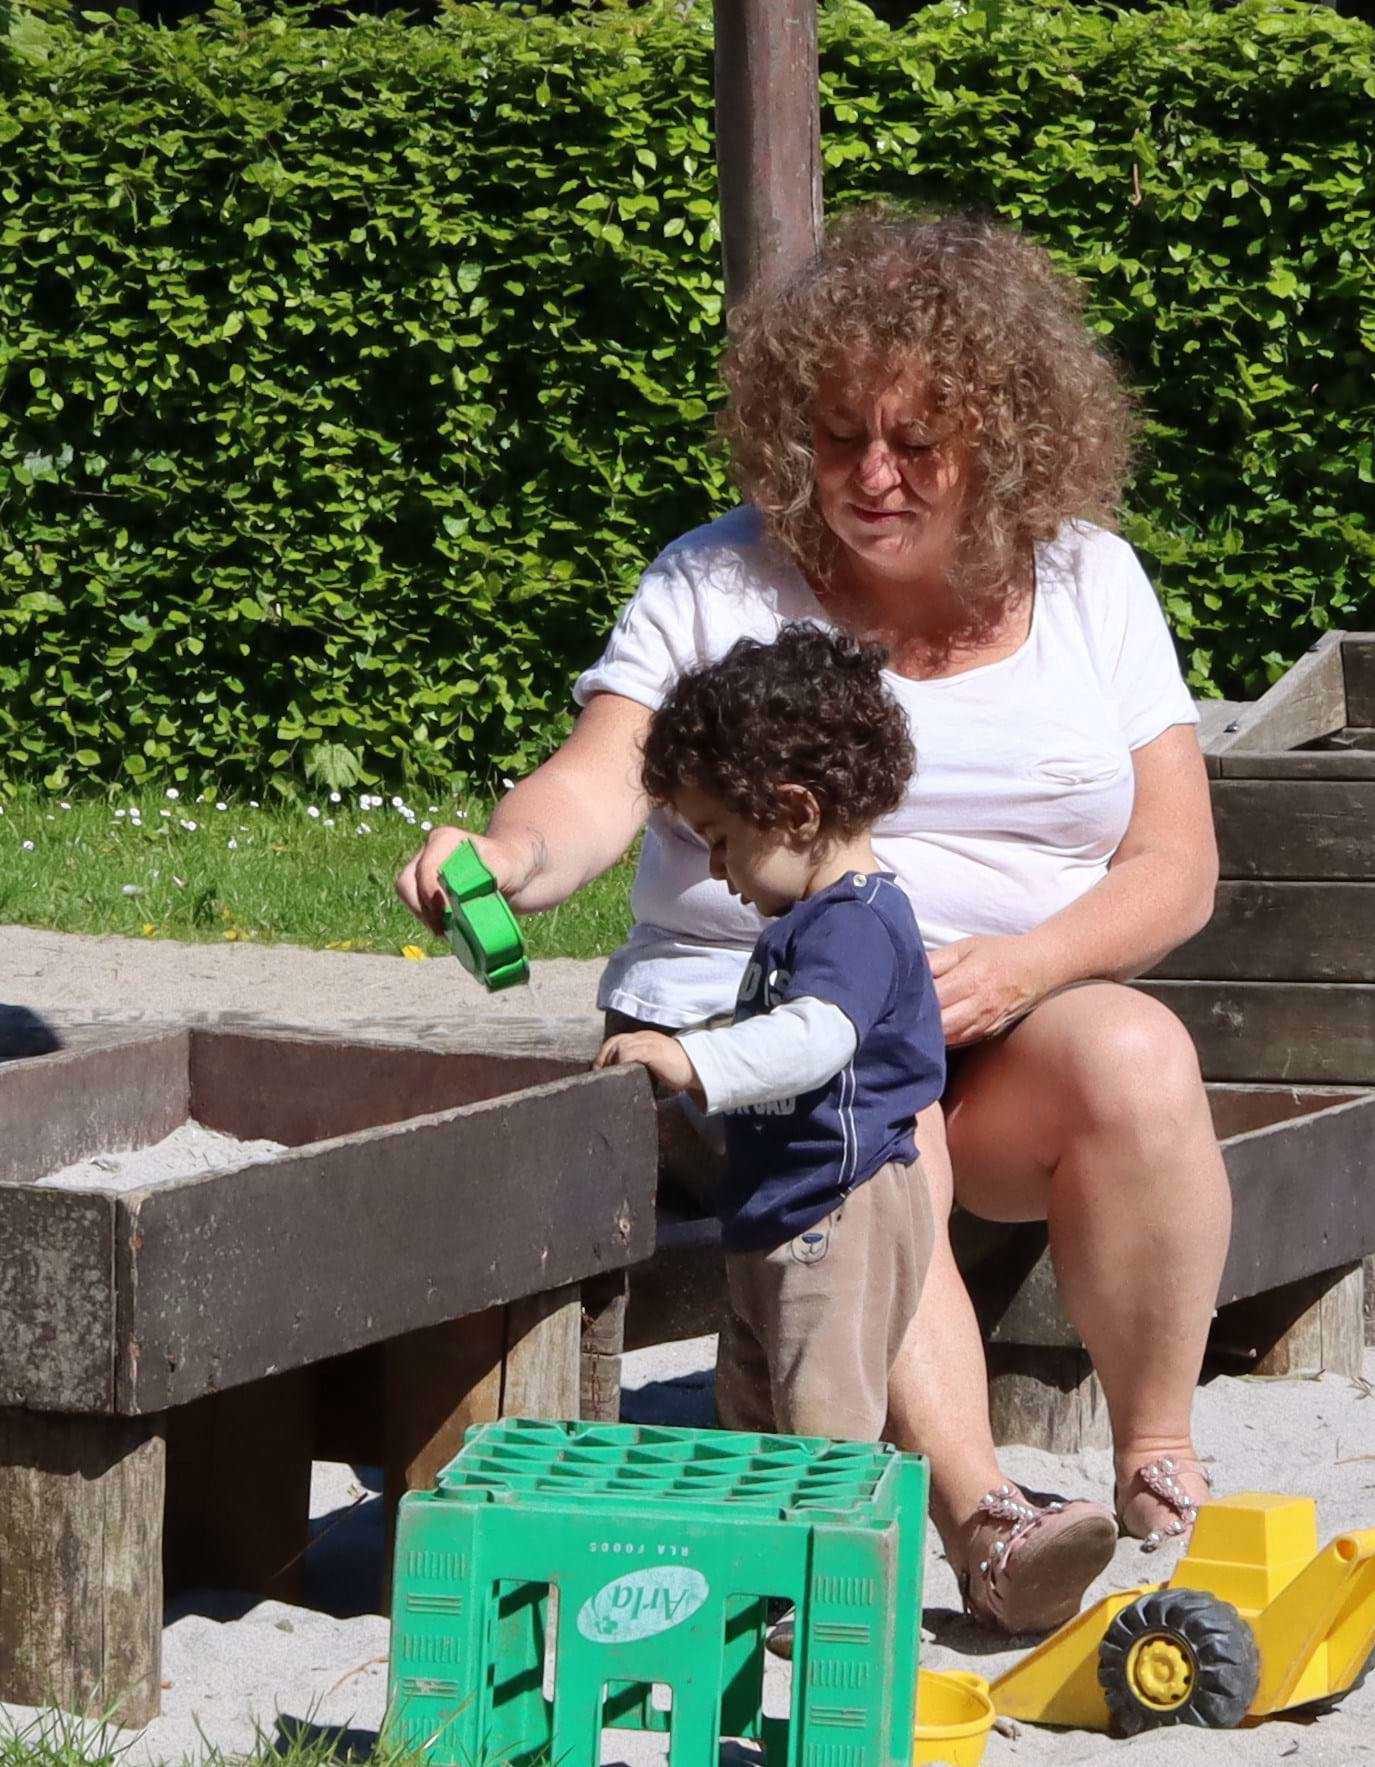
(349, 376)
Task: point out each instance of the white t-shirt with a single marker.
(1023, 787)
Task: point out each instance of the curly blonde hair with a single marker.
(996, 334)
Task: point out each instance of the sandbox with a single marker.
(166, 1341)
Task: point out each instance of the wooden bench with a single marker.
(1279, 994)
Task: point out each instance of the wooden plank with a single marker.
(1303, 1188)
(81, 1502)
(438, 1383)
(691, 1168)
(1238, 1109)
(1304, 1195)
(57, 1300)
(1306, 703)
(349, 1424)
(679, 1293)
(1292, 829)
(238, 1489)
(1301, 932)
(1342, 1322)
(1313, 1326)
(301, 1089)
(1306, 764)
(1358, 662)
(231, 1276)
(768, 148)
(57, 1109)
(1320, 1032)
(1046, 1398)
(1369, 1305)
(516, 1361)
(603, 1340)
(1214, 715)
(541, 1367)
(1303, 1191)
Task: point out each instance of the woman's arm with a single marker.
(1158, 892)
(1160, 882)
(565, 824)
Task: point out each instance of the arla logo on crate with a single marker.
(642, 1603)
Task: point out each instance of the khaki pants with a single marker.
(815, 1325)
(811, 1334)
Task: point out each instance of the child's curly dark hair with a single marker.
(810, 709)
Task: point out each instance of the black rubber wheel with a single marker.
(1178, 1656)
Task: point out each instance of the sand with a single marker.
(236, 1668)
(233, 1668)
(189, 1150)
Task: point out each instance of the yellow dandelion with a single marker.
(414, 952)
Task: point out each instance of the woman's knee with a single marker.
(1136, 1072)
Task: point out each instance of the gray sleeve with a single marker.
(795, 1048)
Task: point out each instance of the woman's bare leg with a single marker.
(1021, 1568)
(938, 1390)
(1091, 1113)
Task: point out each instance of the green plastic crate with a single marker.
(664, 1547)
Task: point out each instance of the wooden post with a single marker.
(603, 1340)
(1368, 1301)
(521, 1360)
(238, 1488)
(1311, 1326)
(1046, 1398)
(81, 1563)
(768, 139)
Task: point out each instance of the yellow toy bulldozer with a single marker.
(1254, 1620)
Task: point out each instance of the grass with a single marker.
(54, 1738)
(317, 873)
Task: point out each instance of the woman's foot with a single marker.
(1027, 1565)
(1157, 1499)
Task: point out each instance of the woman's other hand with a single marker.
(665, 1058)
(417, 883)
(985, 984)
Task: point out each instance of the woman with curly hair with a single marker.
(931, 447)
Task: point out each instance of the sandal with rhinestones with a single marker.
(1157, 1486)
(1030, 1564)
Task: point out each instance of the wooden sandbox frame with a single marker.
(164, 1372)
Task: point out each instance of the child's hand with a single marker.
(664, 1056)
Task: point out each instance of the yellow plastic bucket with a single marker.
(954, 1717)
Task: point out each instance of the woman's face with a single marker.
(889, 486)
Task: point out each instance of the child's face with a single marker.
(769, 868)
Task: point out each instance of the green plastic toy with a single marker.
(650, 1554)
(480, 927)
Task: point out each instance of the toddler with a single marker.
(780, 757)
